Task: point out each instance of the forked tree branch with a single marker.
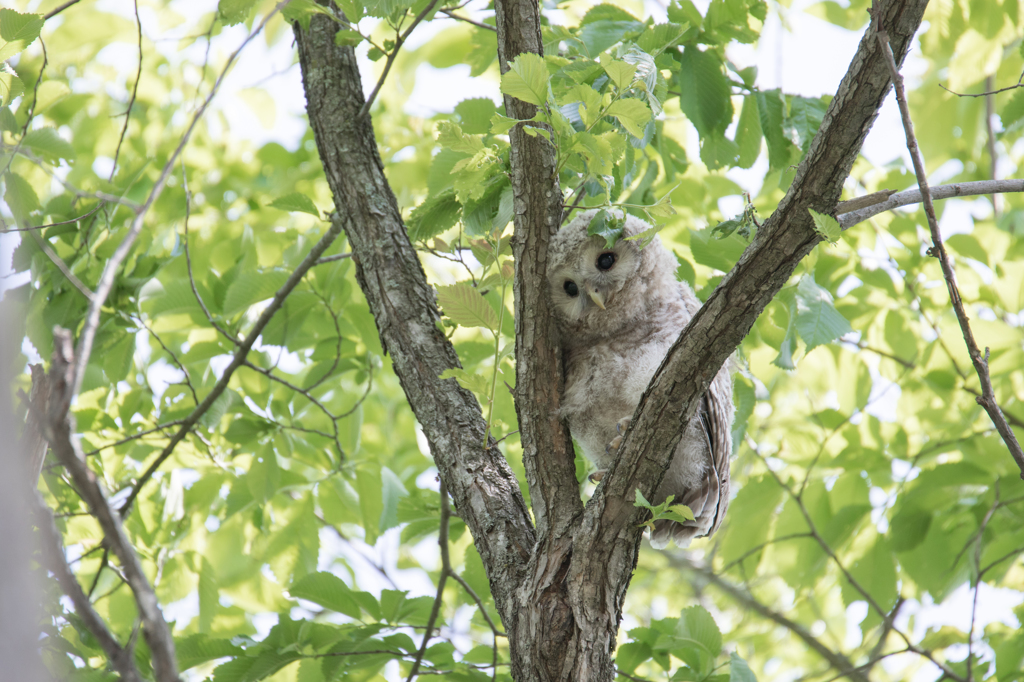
(605, 550)
(561, 598)
(987, 399)
(57, 427)
(389, 273)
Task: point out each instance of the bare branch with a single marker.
(478, 24)
(106, 283)
(131, 100)
(987, 399)
(331, 259)
(62, 266)
(913, 196)
(188, 265)
(446, 570)
(43, 227)
(53, 550)
(237, 360)
(52, 13)
(59, 433)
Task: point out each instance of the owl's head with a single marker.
(593, 286)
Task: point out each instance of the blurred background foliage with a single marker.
(293, 533)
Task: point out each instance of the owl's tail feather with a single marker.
(682, 534)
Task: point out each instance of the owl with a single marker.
(618, 311)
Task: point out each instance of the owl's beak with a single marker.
(595, 294)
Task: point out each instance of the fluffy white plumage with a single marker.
(619, 310)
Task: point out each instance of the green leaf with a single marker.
(826, 226)
(46, 143)
(477, 383)
(296, 202)
(607, 225)
(502, 124)
(804, 119)
(756, 502)
(434, 216)
(327, 590)
(1013, 111)
(347, 38)
(748, 133)
(718, 151)
(475, 114)
(598, 36)
(817, 319)
(632, 113)
(771, 108)
(392, 491)
(464, 305)
(20, 196)
(527, 79)
(660, 37)
(705, 95)
(739, 671)
(17, 32)
(252, 287)
(233, 12)
(630, 655)
(200, 648)
(10, 86)
(7, 121)
(720, 254)
(697, 625)
(620, 72)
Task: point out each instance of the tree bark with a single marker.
(483, 486)
(606, 545)
(560, 590)
(548, 632)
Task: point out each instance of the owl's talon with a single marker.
(597, 476)
(622, 425)
(614, 445)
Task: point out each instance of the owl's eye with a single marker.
(571, 288)
(605, 261)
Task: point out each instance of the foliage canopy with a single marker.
(288, 533)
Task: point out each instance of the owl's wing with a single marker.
(709, 500)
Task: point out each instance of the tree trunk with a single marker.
(560, 588)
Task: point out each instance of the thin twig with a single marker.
(449, 13)
(188, 265)
(106, 283)
(988, 399)
(43, 227)
(580, 192)
(391, 57)
(442, 540)
(174, 357)
(749, 601)
(331, 259)
(60, 9)
(31, 111)
(236, 361)
(159, 427)
(990, 143)
(62, 266)
(131, 100)
(983, 94)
